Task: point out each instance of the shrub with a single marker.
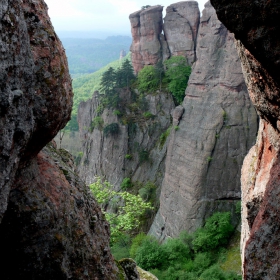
(215, 233)
(163, 137)
(136, 243)
(147, 79)
(177, 73)
(128, 156)
(148, 115)
(111, 129)
(117, 113)
(126, 183)
(150, 254)
(176, 251)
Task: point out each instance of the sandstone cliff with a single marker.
(51, 227)
(179, 36)
(257, 27)
(146, 29)
(217, 129)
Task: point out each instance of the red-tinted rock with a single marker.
(51, 227)
(146, 28)
(256, 24)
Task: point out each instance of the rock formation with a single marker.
(256, 25)
(51, 227)
(135, 151)
(216, 130)
(146, 29)
(180, 28)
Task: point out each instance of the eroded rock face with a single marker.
(134, 152)
(146, 28)
(36, 94)
(180, 29)
(51, 227)
(216, 130)
(257, 27)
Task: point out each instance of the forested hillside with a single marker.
(87, 55)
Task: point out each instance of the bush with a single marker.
(111, 129)
(215, 233)
(128, 156)
(150, 254)
(136, 243)
(163, 137)
(177, 73)
(147, 79)
(126, 183)
(176, 251)
(148, 115)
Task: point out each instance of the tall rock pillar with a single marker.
(180, 29)
(216, 130)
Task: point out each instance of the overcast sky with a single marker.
(110, 16)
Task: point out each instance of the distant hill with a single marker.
(85, 85)
(87, 55)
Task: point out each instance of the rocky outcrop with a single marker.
(36, 95)
(51, 227)
(257, 27)
(180, 28)
(217, 127)
(135, 152)
(146, 29)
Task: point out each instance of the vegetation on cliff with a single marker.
(202, 255)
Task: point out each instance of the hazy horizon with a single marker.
(90, 19)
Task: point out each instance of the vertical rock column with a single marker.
(146, 29)
(217, 129)
(180, 29)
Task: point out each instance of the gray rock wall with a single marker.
(105, 156)
(216, 131)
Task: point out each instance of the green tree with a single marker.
(147, 79)
(159, 67)
(177, 73)
(215, 232)
(126, 73)
(131, 208)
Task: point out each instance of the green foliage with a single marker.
(147, 79)
(148, 191)
(128, 156)
(136, 243)
(209, 159)
(148, 115)
(111, 129)
(117, 113)
(131, 208)
(120, 249)
(177, 73)
(163, 137)
(126, 183)
(176, 127)
(83, 88)
(97, 122)
(238, 207)
(215, 233)
(150, 254)
(87, 55)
